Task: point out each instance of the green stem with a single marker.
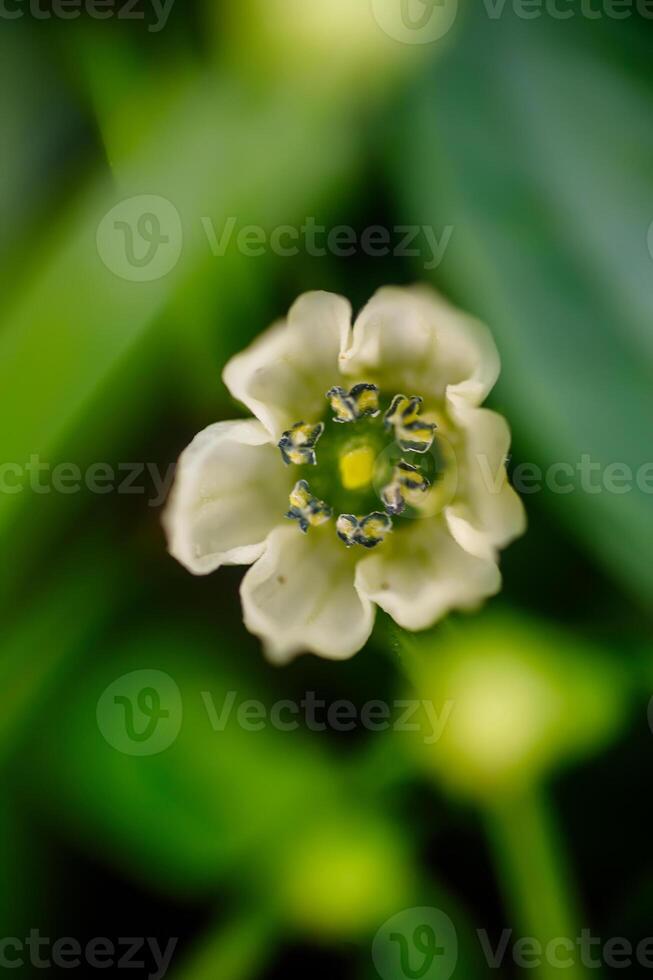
(235, 950)
(536, 883)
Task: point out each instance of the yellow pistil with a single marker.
(357, 468)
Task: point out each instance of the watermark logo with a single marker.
(416, 944)
(415, 21)
(141, 238)
(140, 713)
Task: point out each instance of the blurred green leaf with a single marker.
(213, 802)
(38, 120)
(214, 152)
(58, 624)
(532, 143)
(22, 893)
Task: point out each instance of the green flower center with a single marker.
(349, 465)
(367, 469)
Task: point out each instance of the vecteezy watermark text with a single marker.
(341, 241)
(423, 942)
(100, 953)
(141, 239)
(153, 482)
(141, 714)
(586, 475)
(131, 10)
(317, 715)
(427, 21)
(565, 952)
(42, 478)
(568, 9)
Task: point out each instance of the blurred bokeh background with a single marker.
(521, 140)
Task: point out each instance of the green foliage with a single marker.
(529, 140)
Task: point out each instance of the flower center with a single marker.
(363, 469)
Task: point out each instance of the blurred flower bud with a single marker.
(344, 877)
(329, 41)
(514, 698)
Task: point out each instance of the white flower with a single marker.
(369, 477)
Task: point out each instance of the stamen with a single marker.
(306, 509)
(411, 432)
(361, 402)
(368, 531)
(297, 445)
(407, 481)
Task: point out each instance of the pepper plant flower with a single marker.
(369, 475)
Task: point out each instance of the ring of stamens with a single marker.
(356, 463)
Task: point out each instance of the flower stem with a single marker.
(235, 950)
(532, 869)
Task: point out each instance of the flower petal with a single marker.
(300, 596)
(414, 342)
(422, 574)
(285, 374)
(230, 490)
(489, 514)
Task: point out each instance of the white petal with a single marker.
(489, 514)
(231, 489)
(300, 596)
(285, 374)
(414, 342)
(421, 574)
